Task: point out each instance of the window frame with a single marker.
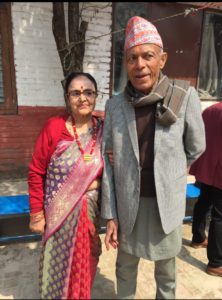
(113, 43)
(10, 105)
(212, 11)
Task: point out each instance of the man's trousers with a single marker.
(126, 273)
(209, 195)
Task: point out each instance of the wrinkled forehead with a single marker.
(143, 49)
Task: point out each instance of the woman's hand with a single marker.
(110, 154)
(38, 227)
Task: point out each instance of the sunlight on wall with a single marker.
(37, 64)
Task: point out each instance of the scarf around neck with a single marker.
(168, 94)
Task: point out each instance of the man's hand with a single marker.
(111, 233)
(110, 154)
(38, 227)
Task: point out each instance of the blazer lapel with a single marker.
(158, 135)
(129, 113)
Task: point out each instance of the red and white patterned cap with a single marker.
(139, 31)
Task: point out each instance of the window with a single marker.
(8, 103)
(123, 12)
(210, 71)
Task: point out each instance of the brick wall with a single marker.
(18, 135)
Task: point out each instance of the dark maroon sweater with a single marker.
(145, 124)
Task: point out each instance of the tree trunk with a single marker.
(76, 34)
(59, 29)
(73, 62)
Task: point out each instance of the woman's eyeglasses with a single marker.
(87, 94)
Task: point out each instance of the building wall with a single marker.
(18, 135)
(37, 64)
(39, 75)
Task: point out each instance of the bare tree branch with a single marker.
(94, 6)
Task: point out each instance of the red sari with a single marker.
(71, 244)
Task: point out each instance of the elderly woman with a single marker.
(64, 194)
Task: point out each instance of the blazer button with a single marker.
(137, 189)
(139, 168)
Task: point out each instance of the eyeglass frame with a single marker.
(94, 92)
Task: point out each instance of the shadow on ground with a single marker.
(187, 257)
(103, 288)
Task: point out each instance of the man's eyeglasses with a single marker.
(87, 94)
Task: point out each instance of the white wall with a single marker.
(37, 64)
(205, 104)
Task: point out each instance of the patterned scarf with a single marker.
(168, 94)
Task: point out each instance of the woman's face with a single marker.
(81, 96)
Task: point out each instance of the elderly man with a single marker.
(155, 130)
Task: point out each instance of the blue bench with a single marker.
(15, 206)
(12, 206)
(192, 192)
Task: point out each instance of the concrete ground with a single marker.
(19, 272)
(13, 187)
(19, 267)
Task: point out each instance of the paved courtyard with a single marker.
(19, 271)
(19, 268)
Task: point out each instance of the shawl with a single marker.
(168, 94)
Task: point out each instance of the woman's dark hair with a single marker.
(77, 74)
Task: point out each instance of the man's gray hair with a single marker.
(161, 52)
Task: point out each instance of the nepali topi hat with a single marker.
(139, 31)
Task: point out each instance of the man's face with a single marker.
(143, 64)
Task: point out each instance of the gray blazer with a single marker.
(175, 148)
